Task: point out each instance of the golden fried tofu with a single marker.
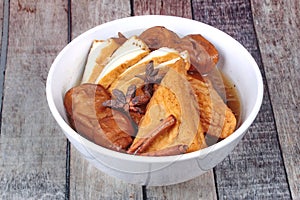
(216, 118)
(174, 97)
(129, 77)
(129, 53)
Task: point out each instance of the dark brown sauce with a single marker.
(228, 92)
(232, 98)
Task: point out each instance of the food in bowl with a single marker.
(234, 61)
(153, 94)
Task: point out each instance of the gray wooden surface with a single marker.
(277, 25)
(36, 161)
(86, 182)
(32, 163)
(255, 167)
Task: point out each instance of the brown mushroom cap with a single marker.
(87, 115)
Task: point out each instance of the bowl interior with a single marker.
(235, 62)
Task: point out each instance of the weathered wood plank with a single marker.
(175, 8)
(255, 168)
(277, 27)
(32, 146)
(88, 14)
(86, 182)
(202, 187)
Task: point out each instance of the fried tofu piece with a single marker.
(129, 77)
(174, 97)
(98, 57)
(163, 59)
(129, 53)
(158, 56)
(216, 117)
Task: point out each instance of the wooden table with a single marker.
(36, 160)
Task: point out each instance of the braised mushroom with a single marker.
(102, 125)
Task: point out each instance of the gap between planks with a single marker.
(4, 44)
(68, 145)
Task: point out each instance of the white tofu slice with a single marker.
(159, 56)
(99, 54)
(125, 56)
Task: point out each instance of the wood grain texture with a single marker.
(181, 8)
(255, 169)
(277, 25)
(87, 182)
(32, 146)
(202, 187)
(90, 13)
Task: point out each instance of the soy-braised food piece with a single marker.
(173, 97)
(159, 36)
(106, 127)
(161, 59)
(216, 117)
(98, 56)
(136, 99)
(208, 46)
(129, 53)
(142, 144)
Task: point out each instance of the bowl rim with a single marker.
(146, 159)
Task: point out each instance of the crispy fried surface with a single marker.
(132, 51)
(216, 118)
(173, 97)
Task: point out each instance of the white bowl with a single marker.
(237, 64)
